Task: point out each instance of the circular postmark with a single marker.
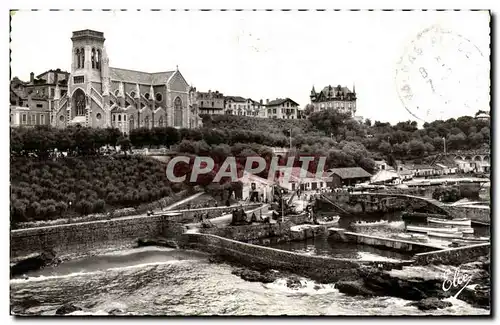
(442, 75)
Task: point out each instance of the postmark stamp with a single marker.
(442, 74)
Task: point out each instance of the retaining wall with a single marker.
(382, 242)
(479, 214)
(454, 256)
(190, 215)
(94, 235)
(317, 267)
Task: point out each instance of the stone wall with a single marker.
(87, 236)
(93, 235)
(316, 267)
(454, 256)
(479, 214)
(252, 232)
(189, 215)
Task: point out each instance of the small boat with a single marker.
(431, 229)
(466, 241)
(445, 235)
(466, 230)
(454, 222)
(371, 224)
(329, 221)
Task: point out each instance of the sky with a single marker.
(277, 54)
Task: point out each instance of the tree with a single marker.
(124, 143)
(385, 147)
(309, 109)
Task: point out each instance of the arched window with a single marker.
(114, 117)
(119, 117)
(93, 58)
(146, 95)
(178, 112)
(132, 94)
(82, 58)
(77, 58)
(98, 116)
(146, 121)
(131, 122)
(159, 97)
(98, 60)
(160, 121)
(79, 102)
(124, 118)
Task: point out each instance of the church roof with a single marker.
(133, 76)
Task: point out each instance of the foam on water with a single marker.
(131, 251)
(308, 286)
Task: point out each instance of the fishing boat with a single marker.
(453, 222)
(329, 221)
(431, 229)
(371, 224)
(445, 235)
(467, 241)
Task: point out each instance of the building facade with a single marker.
(101, 96)
(282, 109)
(339, 98)
(237, 105)
(31, 103)
(210, 102)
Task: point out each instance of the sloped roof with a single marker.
(237, 99)
(53, 70)
(133, 76)
(349, 172)
(280, 101)
(254, 178)
(335, 90)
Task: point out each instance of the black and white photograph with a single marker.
(253, 162)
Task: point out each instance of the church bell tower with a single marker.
(88, 69)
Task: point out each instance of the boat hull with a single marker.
(445, 235)
(452, 222)
(430, 229)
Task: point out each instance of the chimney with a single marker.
(32, 77)
(260, 101)
(267, 101)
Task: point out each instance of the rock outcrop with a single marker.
(254, 276)
(141, 242)
(67, 309)
(424, 284)
(430, 304)
(34, 262)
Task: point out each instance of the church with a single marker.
(101, 96)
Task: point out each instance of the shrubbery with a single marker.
(43, 190)
(446, 194)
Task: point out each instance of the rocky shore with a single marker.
(421, 284)
(33, 262)
(425, 284)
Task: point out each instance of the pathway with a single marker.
(173, 205)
